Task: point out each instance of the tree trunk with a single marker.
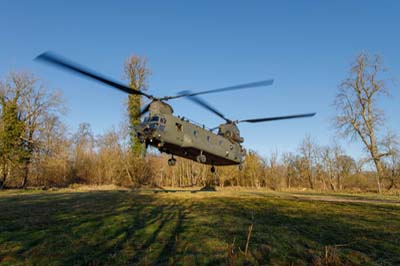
(26, 173)
(3, 176)
(310, 180)
(392, 185)
(339, 182)
(379, 173)
(332, 183)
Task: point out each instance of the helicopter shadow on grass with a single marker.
(96, 228)
(149, 237)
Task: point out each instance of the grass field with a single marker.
(204, 228)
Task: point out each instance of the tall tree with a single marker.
(136, 71)
(392, 162)
(309, 156)
(11, 132)
(337, 166)
(31, 106)
(358, 114)
(83, 152)
(289, 162)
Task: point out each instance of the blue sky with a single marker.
(306, 46)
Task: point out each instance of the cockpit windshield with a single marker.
(154, 119)
(151, 119)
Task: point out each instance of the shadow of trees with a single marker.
(130, 228)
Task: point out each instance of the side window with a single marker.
(178, 127)
(195, 133)
(208, 138)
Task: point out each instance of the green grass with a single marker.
(146, 228)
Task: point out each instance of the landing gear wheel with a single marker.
(201, 158)
(212, 169)
(240, 167)
(172, 161)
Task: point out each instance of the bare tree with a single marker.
(329, 156)
(309, 155)
(356, 103)
(50, 164)
(83, 155)
(392, 162)
(109, 166)
(289, 161)
(35, 105)
(337, 166)
(274, 172)
(253, 170)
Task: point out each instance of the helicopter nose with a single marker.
(148, 129)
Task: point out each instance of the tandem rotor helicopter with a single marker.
(177, 135)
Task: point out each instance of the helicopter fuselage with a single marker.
(178, 136)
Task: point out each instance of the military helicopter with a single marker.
(177, 135)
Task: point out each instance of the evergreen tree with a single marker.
(25, 106)
(137, 72)
(12, 152)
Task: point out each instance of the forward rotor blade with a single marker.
(202, 103)
(236, 87)
(258, 120)
(145, 109)
(51, 58)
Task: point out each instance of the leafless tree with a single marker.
(253, 170)
(391, 163)
(83, 155)
(337, 166)
(309, 155)
(289, 161)
(35, 106)
(329, 156)
(109, 163)
(356, 103)
(274, 172)
(50, 164)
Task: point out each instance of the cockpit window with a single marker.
(154, 119)
(150, 119)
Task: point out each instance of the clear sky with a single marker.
(306, 46)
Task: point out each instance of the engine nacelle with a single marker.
(230, 131)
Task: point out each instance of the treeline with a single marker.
(82, 158)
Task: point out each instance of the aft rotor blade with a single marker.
(51, 58)
(258, 120)
(207, 106)
(230, 88)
